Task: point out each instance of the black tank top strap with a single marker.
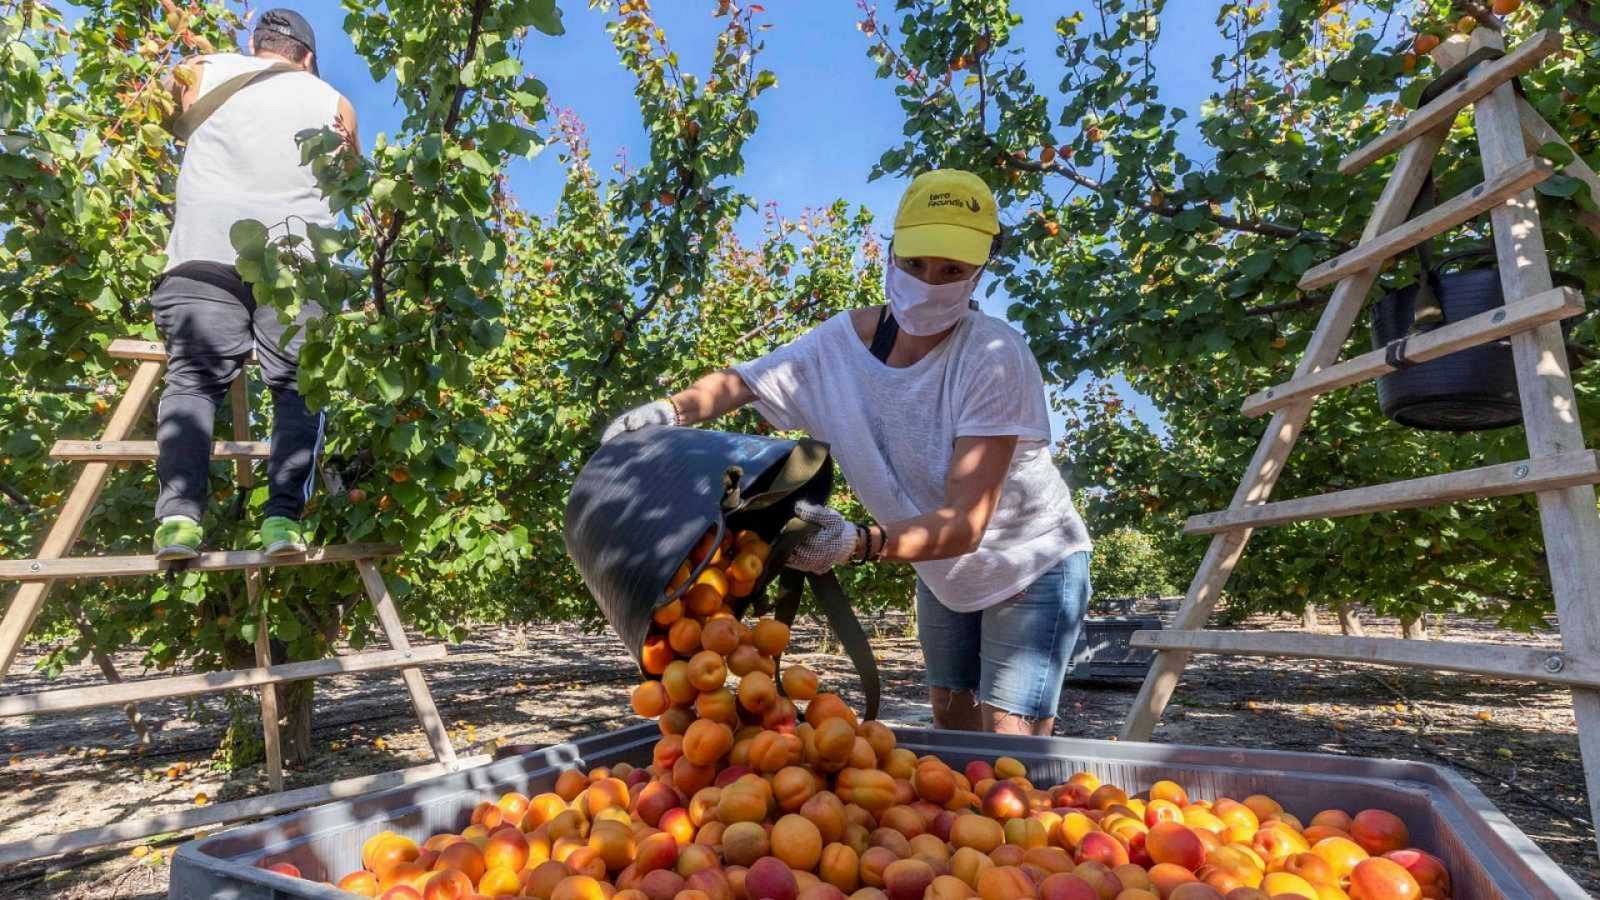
(883, 338)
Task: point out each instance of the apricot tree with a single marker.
(1163, 244)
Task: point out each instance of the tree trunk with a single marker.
(1350, 620)
(294, 704)
(1308, 617)
(1412, 628)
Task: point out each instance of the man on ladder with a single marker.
(239, 115)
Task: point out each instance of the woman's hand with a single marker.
(650, 415)
(834, 542)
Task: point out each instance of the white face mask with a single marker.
(921, 308)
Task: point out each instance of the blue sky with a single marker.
(822, 126)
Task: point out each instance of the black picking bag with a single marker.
(647, 497)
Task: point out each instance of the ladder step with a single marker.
(1497, 660)
(145, 349)
(216, 561)
(138, 451)
(1543, 474)
(71, 699)
(1447, 215)
(1522, 315)
(1477, 85)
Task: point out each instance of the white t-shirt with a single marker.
(244, 162)
(892, 431)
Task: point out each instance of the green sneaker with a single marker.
(177, 537)
(281, 536)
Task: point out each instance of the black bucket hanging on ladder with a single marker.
(1470, 390)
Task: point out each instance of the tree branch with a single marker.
(1286, 306)
(1169, 210)
(15, 497)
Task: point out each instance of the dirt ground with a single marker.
(545, 684)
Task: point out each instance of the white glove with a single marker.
(657, 412)
(832, 544)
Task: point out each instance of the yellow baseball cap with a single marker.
(949, 213)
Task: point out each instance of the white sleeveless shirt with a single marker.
(243, 161)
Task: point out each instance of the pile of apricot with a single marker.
(749, 797)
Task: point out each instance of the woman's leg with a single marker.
(1027, 641)
(950, 648)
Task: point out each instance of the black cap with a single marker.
(291, 25)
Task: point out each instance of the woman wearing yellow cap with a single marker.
(936, 415)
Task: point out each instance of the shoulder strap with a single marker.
(187, 124)
(835, 605)
(884, 337)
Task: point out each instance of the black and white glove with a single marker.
(834, 542)
(656, 412)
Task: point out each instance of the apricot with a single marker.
(746, 659)
(826, 811)
(757, 693)
(770, 636)
(873, 863)
(1263, 806)
(392, 850)
(543, 878)
(907, 879)
(978, 832)
(706, 742)
(1106, 796)
(1004, 883)
(1004, 800)
(655, 654)
(949, 887)
(710, 883)
(666, 751)
(499, 882)
(904, 820)
(782, 717)
(768, 877)
(718, 706)
(1173, 842)
(797, 841)
(1194, 891)
(871, 789)
(360, 882)
(684, 637)
(828, 706)
(1427, 869)
(688, 776)
(613, 842)
(745, 842)
(672, 610)
(578, 887)
(1333, 818)
(720, 636)
(1311, 867)
(834, 739)
(840, 866)
(934, 782)
(676, 720)
(1276, 842)
(1379, 878)
(507, 849)
(658, 851)
(1278, 883)
(675, 678)
(451, 884)
(770, 751)
(400, 892)
(1102, 848)
(1026, 833)
(1379, 831)
(707, 670)
(608, 793)
(464, 857)
(1009, 767)
(1066, 886)
(1072, 828)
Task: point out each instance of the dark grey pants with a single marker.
(210, 322)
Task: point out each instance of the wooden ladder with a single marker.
(51, 564)
(1559, 469)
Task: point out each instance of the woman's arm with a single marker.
(711, 397)
(978, 467)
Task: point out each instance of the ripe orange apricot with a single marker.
(650, 699)
(718, 706)
(720, 636)
(796, 841)
(799, 683)
(670, 612)
(675, 678)
(757, 693)
(706, 742)
(578, 887)
(1379, 831)
(771, 636)
(827, 706)
(464, 857)
(655, 654)
(707, 671)
(1005, 883)
(684, 637)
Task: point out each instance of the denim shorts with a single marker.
(1015, 653)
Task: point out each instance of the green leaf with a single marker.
(391, 386)
(249, 238)
(474, 160)
(1556, 152)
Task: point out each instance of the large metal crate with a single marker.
(1489, 858)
